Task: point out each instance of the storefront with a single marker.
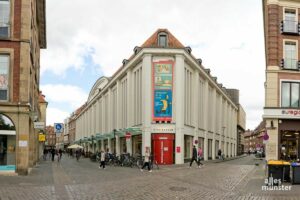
(7, 144)
(188, 147)
(163, 148)
(289, 148)
(137, 144)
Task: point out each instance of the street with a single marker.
(69, 179)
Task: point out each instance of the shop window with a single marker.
(4, 74)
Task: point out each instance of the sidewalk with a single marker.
(206, 162)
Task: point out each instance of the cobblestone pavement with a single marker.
(83, 180)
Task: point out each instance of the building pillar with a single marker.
(146, 101)
(117, 145)
(179, 107)
(102, 145)
(109, 144)
(272, 147)
(205, 146)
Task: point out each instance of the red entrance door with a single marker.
(162, 148)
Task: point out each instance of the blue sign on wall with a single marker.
(162, 104)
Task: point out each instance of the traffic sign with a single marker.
(58, 127)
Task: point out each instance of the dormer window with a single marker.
(162, 40)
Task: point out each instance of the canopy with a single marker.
(75, 146)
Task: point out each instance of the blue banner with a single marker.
(163, 104)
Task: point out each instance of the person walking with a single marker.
(194, 157)
(77, 154)
(200, 156)
(59, 155)
(45, 154)
(102, 159)
(220, 154)
(53, 154)
(147, 160)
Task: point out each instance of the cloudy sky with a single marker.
(88, 39)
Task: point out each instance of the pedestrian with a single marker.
(59, 155)
(220, 154)
(77, 154)
(102, 159)
(147, 160)
(53, 153)
(194, 156)
(200, 156)
(45, 154)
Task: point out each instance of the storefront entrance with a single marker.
(7, 144)
(163, 148)
(137, 145)
(289, 139)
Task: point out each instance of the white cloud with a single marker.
(55, 115)
(72, 95)
(227, 35)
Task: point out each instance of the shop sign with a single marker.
(8, 168)
(22, 143)
(39, 125)
(282, 113)
(163, 130)
(128, 136)
(42, 137)
(178, 149)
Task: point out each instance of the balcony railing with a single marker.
(4, 30)
(289, 63)
(290, 27)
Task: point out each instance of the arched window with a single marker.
(6, 124)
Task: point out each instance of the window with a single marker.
(290, 55)
(4, 18)
(4, 63)
(290, 94)
(290, 22)
(162, 40)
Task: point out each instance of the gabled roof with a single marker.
(173, 42)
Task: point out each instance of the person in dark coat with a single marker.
(53, 154)
(194, 157)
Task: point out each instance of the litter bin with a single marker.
(295, 173)
(286, 171)
(275, 170)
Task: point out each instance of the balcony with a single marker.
(290, 64)
(290, 27)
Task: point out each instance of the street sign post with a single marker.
(58, 127)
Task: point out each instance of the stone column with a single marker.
(205, 110)
(179, 107)
(146, 101)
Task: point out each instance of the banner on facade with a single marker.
(162, 90)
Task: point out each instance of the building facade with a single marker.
(22, 35)
(282, 86)
(162, 98)
(50, 137)
(253, 140)
(241, 119)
